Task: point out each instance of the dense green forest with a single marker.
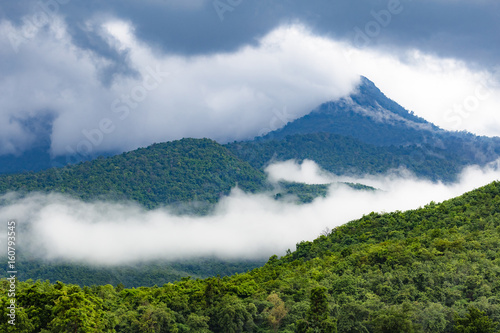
(148, 273)
(197, 171)
(433, 269)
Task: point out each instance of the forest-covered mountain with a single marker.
(197, 171)
(434, 269)
(344, 155)
(370, 133)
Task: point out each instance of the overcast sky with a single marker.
(116, 75)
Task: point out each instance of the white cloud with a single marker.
(307, 172)
(243, 225)
(224, 96)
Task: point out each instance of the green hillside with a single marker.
(187, 170)
(434, 269)
(343, 155)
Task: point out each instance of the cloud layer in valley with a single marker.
(242, 226)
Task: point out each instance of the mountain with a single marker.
(433, 269)
(367, 115)
(371, 117)
(343, 155)
(197, 171)
(369, 133)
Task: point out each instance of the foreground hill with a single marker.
(434, 269)
(189, 170)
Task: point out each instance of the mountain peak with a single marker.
(369, 100)
(367, 114)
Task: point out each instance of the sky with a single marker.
(100, 76)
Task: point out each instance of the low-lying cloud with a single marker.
(242, 226)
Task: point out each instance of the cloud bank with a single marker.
(158, 97)
(107, 89)
(242, 226)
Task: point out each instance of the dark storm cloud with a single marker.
(459, 29)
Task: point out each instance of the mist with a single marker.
(242, 226)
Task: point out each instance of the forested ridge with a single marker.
(177, 172)
(344, 155)
(433, 269)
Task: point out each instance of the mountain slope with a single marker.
(434, 269)
(188, 170)
(343, 155)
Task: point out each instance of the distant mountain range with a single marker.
(365, 133)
